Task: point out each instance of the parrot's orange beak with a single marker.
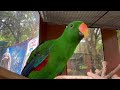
(84, 29)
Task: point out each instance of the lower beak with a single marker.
(86, 34)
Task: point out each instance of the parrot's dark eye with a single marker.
(71, 25)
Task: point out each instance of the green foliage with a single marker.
(92, 47)
(17, 26)
(2, 38)
(99, 45)
(118, 36)
(83, 67)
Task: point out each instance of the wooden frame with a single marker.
(6, 74)
(110, 44)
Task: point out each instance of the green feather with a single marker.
(41, 49)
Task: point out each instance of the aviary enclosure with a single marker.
(96, 57)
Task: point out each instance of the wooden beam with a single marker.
(5, 74)
(111, 48)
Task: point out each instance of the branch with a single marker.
(10, 30)
(99, 74)
(104, 63)
(96, 36)
(94, 76)
(113, 72)
(115, 77)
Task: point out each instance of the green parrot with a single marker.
(50, 58)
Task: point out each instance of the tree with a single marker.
(88, 54)
(118, 36)
(17, 26)
(95, 47)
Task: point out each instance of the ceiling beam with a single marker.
(99, 18)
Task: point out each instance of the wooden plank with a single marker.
(111, 48)
(6, 74)
(72, 77)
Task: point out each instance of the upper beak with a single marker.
(84, 30)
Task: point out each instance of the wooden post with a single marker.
(111, 49)
(43, 31)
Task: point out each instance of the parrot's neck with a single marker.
(69, 41)
(66, 47)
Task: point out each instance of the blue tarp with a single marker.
(15, 57)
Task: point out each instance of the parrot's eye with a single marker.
(71, 25)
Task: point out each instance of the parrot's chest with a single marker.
(58, 60)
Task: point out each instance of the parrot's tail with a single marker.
(28, 68)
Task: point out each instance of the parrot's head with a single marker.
(76, 30)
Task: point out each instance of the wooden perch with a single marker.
(94, 76)
(104, 63)
(103, 74)
(113, 72)
(99, 74)
(115, 77)
(6, 74)
(72, 77)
